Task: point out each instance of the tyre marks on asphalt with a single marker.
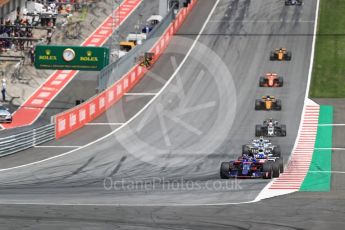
(32, 155)
(118, 166)
(119, 113)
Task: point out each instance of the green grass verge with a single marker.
(328, 79)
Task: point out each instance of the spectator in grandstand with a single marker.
(29, 34)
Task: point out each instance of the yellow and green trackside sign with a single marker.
(71, 57)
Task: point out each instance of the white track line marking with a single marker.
(260, 21)
(335, 172)
(313, 49)
(105, 124)
(57, 146)
(334, 149)
(140, 94)
(136, 115)
(261, 195)
(130, 205)
(331, 124)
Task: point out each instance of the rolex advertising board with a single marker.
(71, 57)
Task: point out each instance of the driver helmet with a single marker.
(245, 157)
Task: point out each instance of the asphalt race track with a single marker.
(170, 153)
(297, 211)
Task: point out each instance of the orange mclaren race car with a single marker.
(280, 54)
(271, 80)
(268, 103)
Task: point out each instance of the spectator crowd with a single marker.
(18, 34)
(10, 30)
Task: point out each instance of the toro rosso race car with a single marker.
(268, 103)
(250, 167)
(293, 2)
(270, 128)
(262, 148)
(271, 80)
(280, 55)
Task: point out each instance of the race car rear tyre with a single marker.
(280, 81)
(257, 104)
(288, 56)
(276, 169)
(272, 56)
(276, 151)
(283, 130)
(267, 170)
(279, 105)
(245, 150)
(281, 164)
(258, 130)
(224, 170)
(262, 82)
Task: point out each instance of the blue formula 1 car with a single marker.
(250, 167)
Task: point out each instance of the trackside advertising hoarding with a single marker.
(75, 118)
(71, 57)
